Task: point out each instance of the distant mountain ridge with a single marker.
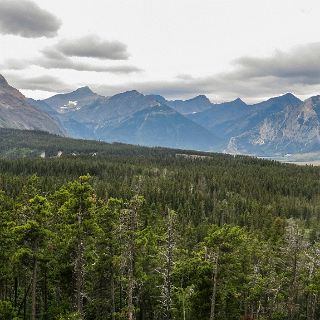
(279, 125)
(129, 117)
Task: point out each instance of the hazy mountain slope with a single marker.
(196, 104)
(104, 111)
(72, 101)
(159, 126)
(71, 127)
(185, 107)
(114, 108)
(43, 106)
(160, 99)
(260, 111)
(62, 107)
(221, 116)
(230, 119)
(294, 129)
(16, 112)
(130, 117)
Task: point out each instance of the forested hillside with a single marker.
(32, 144)
(111, 231)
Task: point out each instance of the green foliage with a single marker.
(83, 233)
(70, 316)
(7, 311)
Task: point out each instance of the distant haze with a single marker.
(221, 48)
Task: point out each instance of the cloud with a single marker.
(301, 64)
(44, 83)
(176, 88)
(53, 59)
(252, 78)
(76, 55)
(26, 19)
(91, 46)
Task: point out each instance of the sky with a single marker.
(225, 49)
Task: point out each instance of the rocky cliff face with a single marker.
(17, 113)
(294, 129)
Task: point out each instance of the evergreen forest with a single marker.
(91, 230)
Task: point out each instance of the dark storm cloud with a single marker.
(27, 19)
(91, 46)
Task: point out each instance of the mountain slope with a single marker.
(292, 130)
(63, 106)
(159, 125)
(17, 112)
(102, 111)
(218, 118)
(260, 111)
(114, 108)
(128, 117)
(196, 104)
(43, 106)
(231, 119)
(185, 107)
(66, 102)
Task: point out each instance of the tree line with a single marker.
(145, 236)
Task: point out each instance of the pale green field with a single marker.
(304, 163)
(312, 158)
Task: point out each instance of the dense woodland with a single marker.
(111, 231)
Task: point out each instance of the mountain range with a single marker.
(277, 126)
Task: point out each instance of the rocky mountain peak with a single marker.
(3, 81)
(158, 98)
(238, 100)
(288, 98)
(201, 97)
(7, 92)
(315, 99)
(84, 90)
(132, 93)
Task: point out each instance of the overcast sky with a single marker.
(178, 48)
